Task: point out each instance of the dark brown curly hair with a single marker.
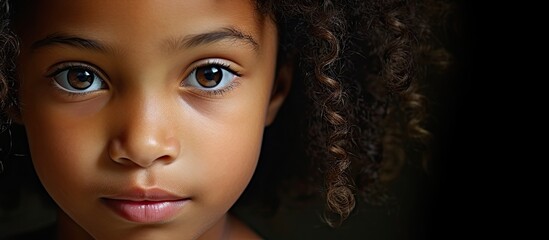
(357, 71)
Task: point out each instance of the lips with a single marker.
(146, 206)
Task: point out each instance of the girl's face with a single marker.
(145, 118)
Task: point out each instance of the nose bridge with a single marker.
(143, 135)
(144, 112)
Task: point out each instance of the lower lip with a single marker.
(146, 211)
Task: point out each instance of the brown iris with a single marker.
(209, 76)
(80, 79)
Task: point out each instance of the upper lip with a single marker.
(142, 194)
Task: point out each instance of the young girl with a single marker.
(145, 119)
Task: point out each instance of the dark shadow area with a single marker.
(456, 131)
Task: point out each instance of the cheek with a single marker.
(65, 152)
(228, 147)
(237, 148)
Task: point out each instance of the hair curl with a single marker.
(358, 63)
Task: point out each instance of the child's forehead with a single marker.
(78, 11)
(85, 7)
(139, 19)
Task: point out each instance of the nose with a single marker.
(143, 134)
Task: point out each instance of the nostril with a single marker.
(166, 158)
(123, 161)
(144, 153)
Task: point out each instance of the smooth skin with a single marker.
(145, 123)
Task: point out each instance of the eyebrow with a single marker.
(63, 39)
(228, 33)
(189, 41)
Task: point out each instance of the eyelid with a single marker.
(215, 62)
(59, 67)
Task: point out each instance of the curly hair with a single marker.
(359, 64)
(9, 48)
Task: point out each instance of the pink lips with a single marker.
(146, 206)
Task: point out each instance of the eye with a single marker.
(78, 79)
(211, 77)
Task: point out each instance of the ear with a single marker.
(281, 88)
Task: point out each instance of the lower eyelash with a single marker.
(223, 91)
(56, 86)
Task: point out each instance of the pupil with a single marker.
(209, 76)
(80, 79)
